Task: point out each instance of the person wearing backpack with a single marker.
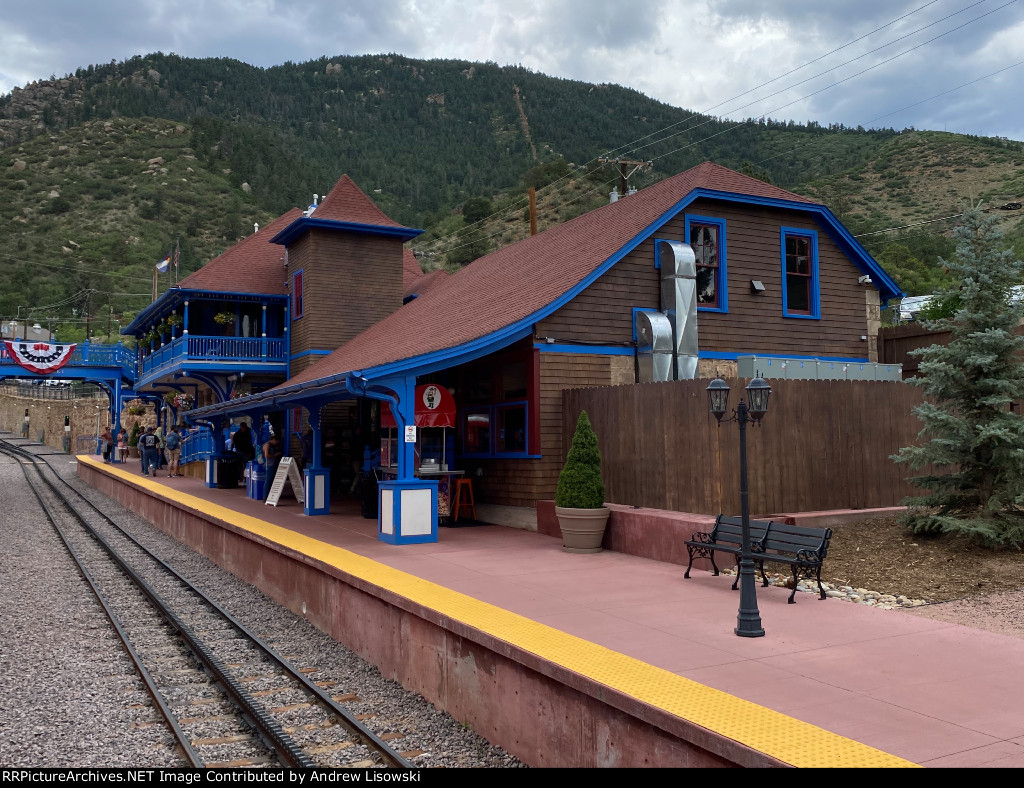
(172, 448)
(148, 448)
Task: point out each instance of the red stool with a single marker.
(462, 500)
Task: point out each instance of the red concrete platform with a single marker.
(930, 692)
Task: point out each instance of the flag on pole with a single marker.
(164, 264)
(177, 254)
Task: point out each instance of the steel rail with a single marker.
(183, 740)
(356, 728)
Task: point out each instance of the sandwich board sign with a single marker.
(287, 471)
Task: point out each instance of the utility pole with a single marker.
(622, 164)
(533, 211)
(88, 305)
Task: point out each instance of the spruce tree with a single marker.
(974, 453)
(579, 484)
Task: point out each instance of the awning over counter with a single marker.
(435, 407)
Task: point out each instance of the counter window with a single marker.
(476, 434)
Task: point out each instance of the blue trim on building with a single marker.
(310, 353)
(601, 350)
(722, 274)
(448, 357)
(814, 288)
(297, 305)
(304, 224)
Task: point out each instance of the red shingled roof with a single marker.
(517, 281)
(347, 203)
(411, 270)
(253, 265)
(426, 282)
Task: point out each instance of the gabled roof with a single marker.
(496, 299)
(345, 207)
(528, 279)
(253, 265)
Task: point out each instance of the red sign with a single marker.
(39, 357)
(435, 407)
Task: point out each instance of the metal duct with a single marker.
(679, 299)
(654, 346)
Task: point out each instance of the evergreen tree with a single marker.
(974, 458)
(579, 484)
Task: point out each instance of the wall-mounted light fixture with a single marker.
(756, 286)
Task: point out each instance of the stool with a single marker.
(459, 501)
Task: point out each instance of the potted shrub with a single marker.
(133, 439)
(579, 500)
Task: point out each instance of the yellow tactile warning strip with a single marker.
(775, 734)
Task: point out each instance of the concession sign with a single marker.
(43, 358)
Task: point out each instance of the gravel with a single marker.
(70, 696)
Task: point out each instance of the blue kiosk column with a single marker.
(316, 478)
(406, 506)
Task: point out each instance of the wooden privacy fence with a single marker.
(824, 444)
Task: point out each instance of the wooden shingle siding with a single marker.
(754, 323)
(350, 282)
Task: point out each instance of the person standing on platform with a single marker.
(148, 448)
(122, 446)
(172, 445)
(272, 452)
(108, 444)
(159, 432)
(243, 443)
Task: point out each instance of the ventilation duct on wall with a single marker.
(654, 347)
(679, 302)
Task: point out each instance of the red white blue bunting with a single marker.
(42, 358)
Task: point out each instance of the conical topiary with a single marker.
(579, 484)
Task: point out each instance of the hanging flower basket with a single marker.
(175, 319)
(224, 318)
(184, 401)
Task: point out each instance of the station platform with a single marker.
(609, 659)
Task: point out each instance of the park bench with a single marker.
(801, 548)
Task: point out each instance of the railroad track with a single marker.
(230, 699)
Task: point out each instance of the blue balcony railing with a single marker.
(197, 445)
(233, 349)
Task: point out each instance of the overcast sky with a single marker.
(713, 56)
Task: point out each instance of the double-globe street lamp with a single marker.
(748, 620)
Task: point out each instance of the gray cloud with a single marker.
(697, 55)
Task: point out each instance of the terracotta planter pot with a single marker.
(582, 529)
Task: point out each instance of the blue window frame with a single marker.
(801, 296)
(297, 305)
(499, 430)
(706, 236)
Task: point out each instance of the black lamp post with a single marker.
(748, 620)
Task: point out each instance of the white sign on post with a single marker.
(287, 471)
(410, 434)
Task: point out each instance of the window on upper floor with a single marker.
(800, 296)
(706, 237)
(297, 305)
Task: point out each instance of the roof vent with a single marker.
(255, 227)
(312, 207)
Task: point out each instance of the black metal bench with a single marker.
(725, 537)
(802, 548)
(799, 547)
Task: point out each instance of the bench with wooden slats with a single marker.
(725, 537)
(801, 548)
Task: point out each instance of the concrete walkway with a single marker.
(934, 693)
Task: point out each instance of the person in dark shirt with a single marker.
(272, 452)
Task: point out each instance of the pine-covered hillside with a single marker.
(104, 170)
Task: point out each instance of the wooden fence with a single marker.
(824, 444)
